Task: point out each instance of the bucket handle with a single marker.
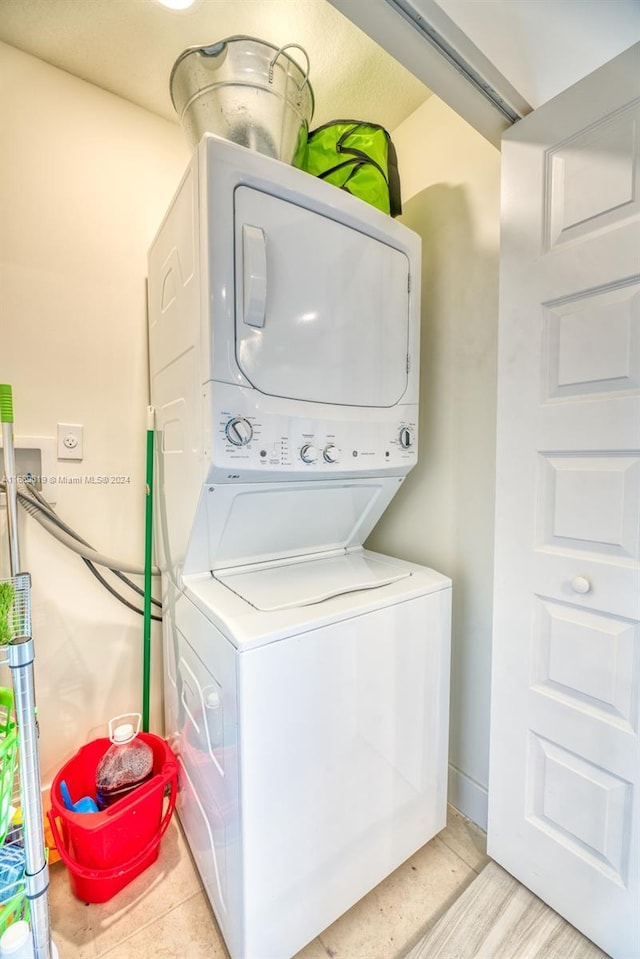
(85, 873)
(288, 46)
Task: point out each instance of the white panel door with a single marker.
(563, 789)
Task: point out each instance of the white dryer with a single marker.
(306, 679)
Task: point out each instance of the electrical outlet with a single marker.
(70, 441)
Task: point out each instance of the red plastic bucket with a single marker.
(106, 850)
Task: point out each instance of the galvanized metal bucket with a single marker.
(247, 91)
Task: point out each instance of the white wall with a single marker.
(85, 179)
(443, 515)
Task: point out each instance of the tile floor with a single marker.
(165, 914)
(497, 917)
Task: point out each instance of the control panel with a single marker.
(267, 442)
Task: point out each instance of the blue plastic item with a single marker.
(86, 804)
(11, 868)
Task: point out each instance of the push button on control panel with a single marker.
(239, 431)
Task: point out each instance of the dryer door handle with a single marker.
(254, 256)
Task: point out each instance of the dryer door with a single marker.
(322, 310)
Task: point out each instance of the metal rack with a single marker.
(14, 904)
(20, 657)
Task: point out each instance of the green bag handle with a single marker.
(360, 154)
(393, 178)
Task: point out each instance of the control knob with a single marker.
(309, 453)
(406, 438)
(239, 431)
(331, 454)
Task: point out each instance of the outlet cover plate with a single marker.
(25, 448)
(70, 441)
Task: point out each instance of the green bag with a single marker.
(358, 157)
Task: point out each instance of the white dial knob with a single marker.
(406, 438)
(331, 454)
(239, 431)
(309, 453)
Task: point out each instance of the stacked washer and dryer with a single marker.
(306, 678)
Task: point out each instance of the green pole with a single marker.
(146, 672)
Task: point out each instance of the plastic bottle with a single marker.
(16, 942)
(127, 763)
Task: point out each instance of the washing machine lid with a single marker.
(322, 308)
(304, 583)
(272, 522)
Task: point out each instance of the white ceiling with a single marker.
(544, 46)
(526, 51)
(129, 47)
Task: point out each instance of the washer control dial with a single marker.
(239, 431)
(309, 453)
(331, 454)
(406, 438)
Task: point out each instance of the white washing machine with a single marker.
(306, 678)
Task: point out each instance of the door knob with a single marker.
(580, 584)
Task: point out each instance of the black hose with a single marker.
(114, 592)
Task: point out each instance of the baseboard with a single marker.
(468, 797)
